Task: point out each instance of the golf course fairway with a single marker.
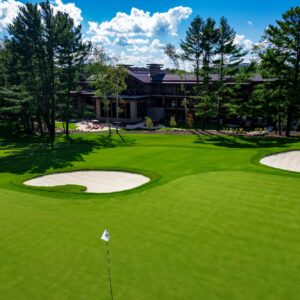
(213, 223)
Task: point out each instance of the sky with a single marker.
(136, 31)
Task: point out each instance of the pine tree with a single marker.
(33, 40)
(48, 51)
(268, 101)
(192, 46)
(229, 55)
(71, 55)
(282, 57)
(209, 43)
(206, 101)
(15, 107)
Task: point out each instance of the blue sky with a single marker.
(238, 12)
(135, 31)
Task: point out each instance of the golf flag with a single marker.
(105, 236)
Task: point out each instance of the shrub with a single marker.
(148, 122)
(190, 120)
(173, 122)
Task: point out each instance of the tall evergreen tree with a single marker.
(209, 42)
(15, 106)
(192, 46)
(268, 101)
(49, 53)
(206, 101)
(282, 57)
(71, 55)
(229, 55)
(32, 38)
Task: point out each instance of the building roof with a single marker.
(143, 75)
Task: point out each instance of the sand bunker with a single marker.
(289, 161)
(95, 181)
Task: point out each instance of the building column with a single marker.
(98, 109)
(133, 110)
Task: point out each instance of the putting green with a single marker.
(212, 224)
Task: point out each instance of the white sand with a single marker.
(95, 181)
(285, 161)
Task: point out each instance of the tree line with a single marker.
(41, 62)
(44, 58)
(212, 49)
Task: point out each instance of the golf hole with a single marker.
(94, 181)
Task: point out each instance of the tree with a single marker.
(268, 101)
(71, 55)
(109, 83)
(97, 69)
(179, 62)
(199, 46)
(48, 53)
(281, 56)
(118, 76)
(229, 55)
(210, 38)
(192, 46)
(26, 37)
(15, 106)
(206, 101)
(32, 46)
(48, 44)
(206, 107)
(102, 87)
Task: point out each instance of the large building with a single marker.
(151, 91)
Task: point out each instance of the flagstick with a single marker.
(108, 268)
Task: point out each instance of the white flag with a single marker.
(105, 236)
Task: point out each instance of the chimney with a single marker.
(155, 69)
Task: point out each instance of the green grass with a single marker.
(213, 224)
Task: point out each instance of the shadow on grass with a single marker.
(38, 157)
(246, 142)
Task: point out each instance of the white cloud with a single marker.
(124, 41)
(142, 60)
(240, 39)
(139, 54)
(133, 37)
(70, 8)
(250, 23)
(8, 11)
(155, 49)
(141, 23)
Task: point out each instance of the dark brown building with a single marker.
(150, 92)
